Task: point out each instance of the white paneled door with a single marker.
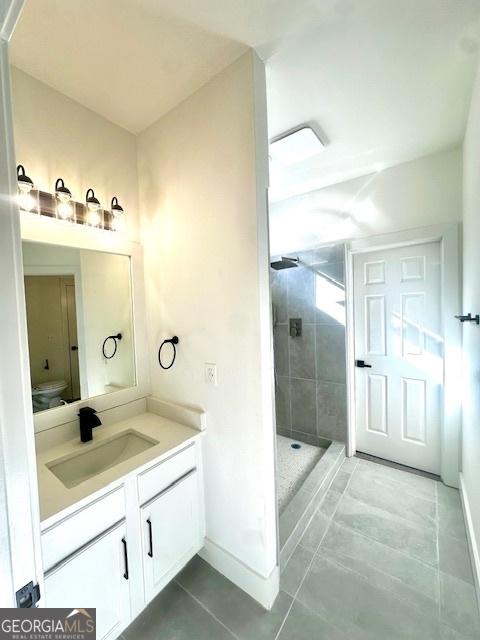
(399, 354)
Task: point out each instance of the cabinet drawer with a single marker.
(165, 473)
(71, 533)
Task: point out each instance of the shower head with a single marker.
(284, 263)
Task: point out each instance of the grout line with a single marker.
(205, 608)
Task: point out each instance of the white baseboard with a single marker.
(472, 538)
(263, 590)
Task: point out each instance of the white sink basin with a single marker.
(78, 467)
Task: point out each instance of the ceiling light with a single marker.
(93, 205)
(295, 146)
(63, 195)
(25, 200)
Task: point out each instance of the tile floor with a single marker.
(384, 558)
(293, 467)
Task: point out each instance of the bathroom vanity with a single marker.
(120, 516)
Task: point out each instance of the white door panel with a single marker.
(398, 333)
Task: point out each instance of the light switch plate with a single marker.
(211, 373)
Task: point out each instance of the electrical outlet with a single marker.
(211, 373)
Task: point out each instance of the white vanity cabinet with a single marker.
(118, 551)
(171, 532)
(95, 576)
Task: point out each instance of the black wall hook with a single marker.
(173, 341)
(117, 336)
(469, 318)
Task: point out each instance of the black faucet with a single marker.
(88, 420)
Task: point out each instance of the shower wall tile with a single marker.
(302, 353)
(332, 411)
(310, 393)
(301, 292)
(282, 403)
(330, 353)
(304, 407)
(280, 349)
(278, 282)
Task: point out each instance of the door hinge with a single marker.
(28, 596)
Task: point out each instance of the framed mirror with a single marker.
(80, 323)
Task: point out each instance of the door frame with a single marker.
(20, 548)
(450, 290)
(75, 271)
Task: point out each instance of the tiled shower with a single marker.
(310, 369)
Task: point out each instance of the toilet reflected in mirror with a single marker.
(75, 298)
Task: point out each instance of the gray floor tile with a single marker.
(395, 532)
(349, 464)
(315, 531)
(369, 488)
(349, 602)
(340, 481)
(234, 608)
(448, 495)
(458, 605)
(418, 577)
(411, 483)
(295, 570)
(174, 615)
(454, 557)
(450, 520)
(304, 624)
(330, 503)
(447, 633)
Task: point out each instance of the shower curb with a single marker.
(302, 507)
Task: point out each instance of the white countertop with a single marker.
(56, 500)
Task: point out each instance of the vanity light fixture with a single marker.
(26, 201)
(93, 205)
(63, 195)
(117, 213)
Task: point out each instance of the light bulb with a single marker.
(118, 223)
(93, 217)
(65, 210)
(25, 200)
(64, 196)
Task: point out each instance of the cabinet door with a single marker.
(95, 576)
(171, 533)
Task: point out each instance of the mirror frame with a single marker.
(43, 230)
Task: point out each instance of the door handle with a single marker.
(150, 538)
(74, 348)
(362, 364)
(125, 558)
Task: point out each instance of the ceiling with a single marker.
(384, 81)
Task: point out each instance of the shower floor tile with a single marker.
(293, 467)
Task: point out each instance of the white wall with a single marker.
(202, 195)
(414, 194)
(56, 137)
(471, 302)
